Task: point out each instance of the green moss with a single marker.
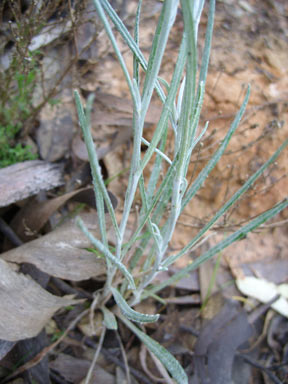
(15, 108)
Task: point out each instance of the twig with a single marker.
(109, 356)
(274, 367)
(56, 378)
(92, 310)
(92, 366)
(191, 330)
(9, 233)
(66, 288)
(123, 352)
(259, 311)
(74, 28)
(264, 369)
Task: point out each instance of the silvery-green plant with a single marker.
(182, 101)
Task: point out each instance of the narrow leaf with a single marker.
(165, 22)
(241, 233)
(106, 253)
(158, 195)
(97, 191)
(136, 38)
(95, 167)
(226, 206)
(113, 41)
(169, 361)
(129, 312)
(119, 25)
(205, 172)
(168, 106)
(207, 46)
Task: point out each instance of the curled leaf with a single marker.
(129, 312)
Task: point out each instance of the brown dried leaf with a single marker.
(25, 306)
(218, 342)
(74, 370)
(34, 215)
(79, 149)
(62, 253)
(28, 179)
(116, 119)
(121, 136)
(124, 106)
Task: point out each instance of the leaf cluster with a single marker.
(167, 186)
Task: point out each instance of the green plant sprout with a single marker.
(182, 101)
